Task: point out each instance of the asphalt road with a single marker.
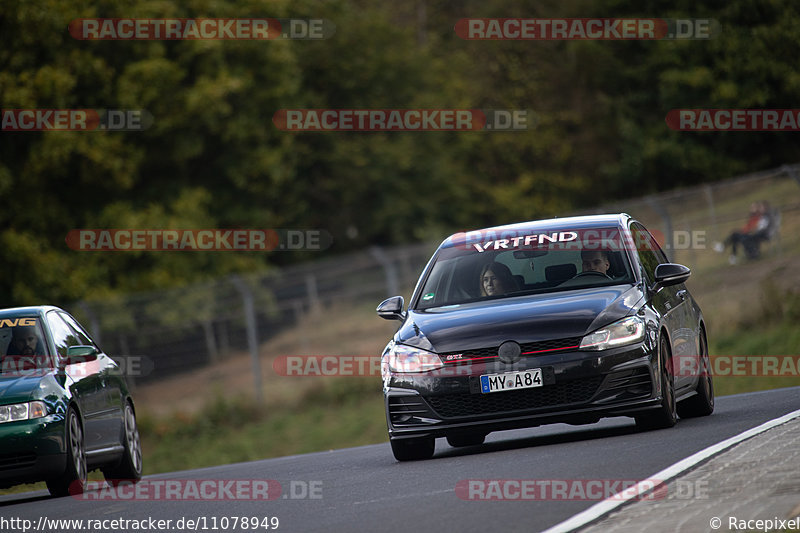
(364, 489)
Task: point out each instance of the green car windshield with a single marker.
(22, 345)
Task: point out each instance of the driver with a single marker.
(25, 351)
(25, 341)
(595, 261)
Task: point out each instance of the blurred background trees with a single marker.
(213, 158)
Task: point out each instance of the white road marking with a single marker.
(606, 506)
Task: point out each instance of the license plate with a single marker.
(525, 379)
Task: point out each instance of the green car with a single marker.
(65, 408)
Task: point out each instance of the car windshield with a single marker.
(491, 266)
(22, 346)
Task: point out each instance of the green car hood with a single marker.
(17, 389)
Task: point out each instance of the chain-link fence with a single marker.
(690, 221)
(184, 328)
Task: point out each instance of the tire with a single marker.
(470, 439)
(415, 449)
(73, 480)
(129, 467)
(666, 415)
(702, 403)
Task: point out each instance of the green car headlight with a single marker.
(22, 411)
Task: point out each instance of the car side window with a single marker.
(63, 336)
(647, 249)
(83, 337)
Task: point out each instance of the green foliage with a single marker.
(213, 158)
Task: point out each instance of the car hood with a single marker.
(15, 389)
(523, 319)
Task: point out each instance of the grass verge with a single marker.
(347, 412)
(771, 332)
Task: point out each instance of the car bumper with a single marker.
(31, 450)
(579, 387)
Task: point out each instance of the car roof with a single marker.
(28, 310)
(559, 224)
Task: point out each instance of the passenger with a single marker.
(595, 261)
(496, 279)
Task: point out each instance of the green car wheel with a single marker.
(73, 480)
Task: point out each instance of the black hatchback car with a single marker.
(563, 320)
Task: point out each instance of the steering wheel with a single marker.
(592, 273)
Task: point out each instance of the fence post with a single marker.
(658, 208)
(712, 212)
(224, 341)
(297, 305)
(125, 351)
(252, 335)
(389, 269)
(94, 324)
(407, 274)
(791, 170)
(211, 343)
(313, 294)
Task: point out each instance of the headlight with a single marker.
(22, 411)
(626, 331)
(403, 358)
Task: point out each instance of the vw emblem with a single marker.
(509, 352)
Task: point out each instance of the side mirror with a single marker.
(80, 354)
(668, 274)
(392, 308)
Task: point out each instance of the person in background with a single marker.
(749, 237)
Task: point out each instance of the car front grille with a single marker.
(21, 460)
(554, 344)
(527, 348)
(568, 392)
